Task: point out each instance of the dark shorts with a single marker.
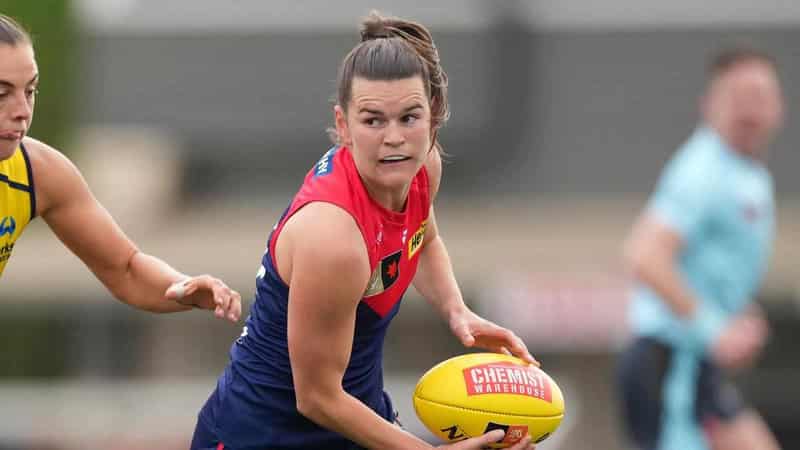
(641, 375)
(205, 436)
(205, 439)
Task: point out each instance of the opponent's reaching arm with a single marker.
(65, 202)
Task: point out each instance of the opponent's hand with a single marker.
(475, 331)
(481, 442)
(207, 292)
(741, 341)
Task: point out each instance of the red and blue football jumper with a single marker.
(254, 405)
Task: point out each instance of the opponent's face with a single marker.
(387, 127)
(18, 79)
(745, 106)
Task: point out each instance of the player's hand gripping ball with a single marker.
(468, 395)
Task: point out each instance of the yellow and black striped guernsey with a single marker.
(17, 201)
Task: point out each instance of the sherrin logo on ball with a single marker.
(469, 395)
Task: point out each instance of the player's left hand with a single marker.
(475, 331)
(207, 292)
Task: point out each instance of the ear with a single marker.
(341, 126)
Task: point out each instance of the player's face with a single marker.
(387, 127)
(18, 79)
(745, 104)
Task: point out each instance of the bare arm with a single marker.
(327, 280)
(652, 254)
(65, 202)
(435, 279)
(437, 283)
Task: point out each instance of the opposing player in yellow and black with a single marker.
(17, 201)
(37, 180)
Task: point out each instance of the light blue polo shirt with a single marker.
(722, 205)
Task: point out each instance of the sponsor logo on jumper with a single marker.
(507, 378)
(324, 166)
(415, 243)
(5, 251)
(8, 226)
(241, 337)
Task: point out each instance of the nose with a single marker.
(22, 107)
(393, 134)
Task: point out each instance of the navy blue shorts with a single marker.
(641, 374)
(205, 439)
(205, 436)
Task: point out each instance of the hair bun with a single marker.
(376, 26)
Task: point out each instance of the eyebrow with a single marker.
(380, 113)
(9, 84)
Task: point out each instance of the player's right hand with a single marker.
(741, 341)
(482, 442)
(207, 292)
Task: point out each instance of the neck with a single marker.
(4, 155)
(393, 200)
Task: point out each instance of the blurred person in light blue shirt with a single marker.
(697, 255)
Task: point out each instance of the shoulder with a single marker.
(328, 233)
(44, 157)
(696, 166)
(54, 174)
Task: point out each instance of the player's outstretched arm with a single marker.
(436, 282)
(67, 205)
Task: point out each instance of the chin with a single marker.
(6, 150)
(396, 182)
(753, 148)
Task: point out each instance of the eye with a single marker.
(30, 92)
(373, 121)
(410, 119)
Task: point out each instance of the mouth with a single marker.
(394, 159)
(9, 135)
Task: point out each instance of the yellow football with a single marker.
(468, 395)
